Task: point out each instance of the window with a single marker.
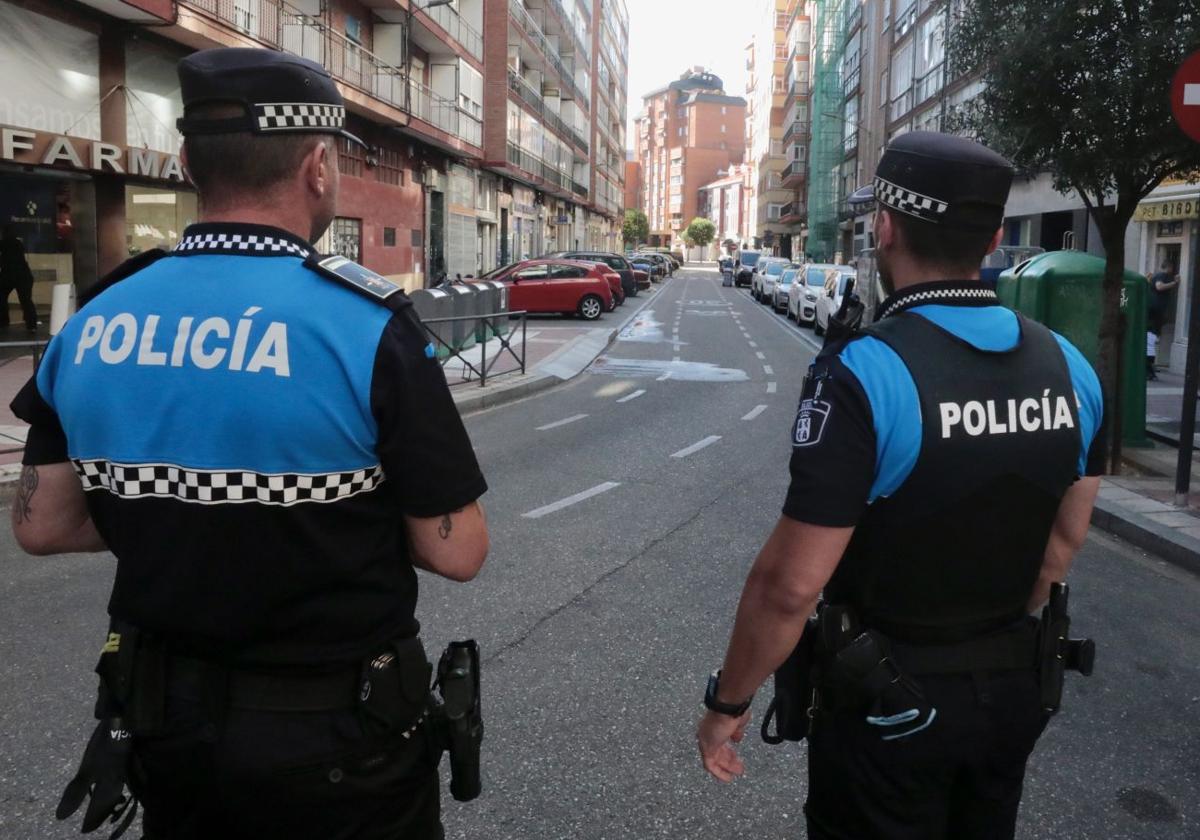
(389, 237)
(773, 211)
(538, 272)
(344, 237)
(722, 129)
(350, 158)
(390, 169)
(723, 110)
(354, 29)
(560, 272)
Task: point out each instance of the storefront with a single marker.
(524, 225)
(1168, 222)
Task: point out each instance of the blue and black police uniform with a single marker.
(947, 434)
(250, 423)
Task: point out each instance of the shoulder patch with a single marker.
(126, 269)
(362, 280)
(810, 420)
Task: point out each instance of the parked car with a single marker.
(768, 270)
(651, 267)
(616, 262)
(784, 289)
(667, 265)
(838, 284)
(565, 286)
(642, 278)
(804, 304)
(743, 267)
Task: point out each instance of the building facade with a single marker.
(725, 202)
(447, 97)
(687, 133)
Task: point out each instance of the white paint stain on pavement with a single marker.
(663, 369)
(696, 447)
(571, 500)
(645, 329)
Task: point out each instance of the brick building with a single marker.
(689, 131)
(89, 172)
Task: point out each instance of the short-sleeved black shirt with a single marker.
(250, 435)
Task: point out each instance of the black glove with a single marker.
(101, 777)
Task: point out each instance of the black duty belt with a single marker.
(271, 690)
(1011, 649)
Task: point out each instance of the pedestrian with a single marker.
(1159, 299)
(1151, 354)
(265, 440)
(16, 275)
(936, 493)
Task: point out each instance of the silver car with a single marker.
(766, 273)
(837, 284)
(802, 308)
(784, 288)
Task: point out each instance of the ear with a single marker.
(316, 169)
(997, 238)
(183, 160)
(886, 231)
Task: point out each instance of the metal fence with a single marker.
(488, 328)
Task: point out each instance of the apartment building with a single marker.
(726, 202)
(89, 171)
(687, 133)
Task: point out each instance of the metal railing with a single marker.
(798, 130)
(539, 168)
(537, 102)
(518, 11)
(901, 105)
(930, 84)
(278, 24)
(461, 31)
(491, 328)
(585, 47)
(793, 170)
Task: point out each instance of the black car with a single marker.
(614, 261)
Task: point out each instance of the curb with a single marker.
(537, 382)
(1146, 534)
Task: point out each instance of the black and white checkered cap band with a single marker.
(907, 201)
(952, 295)
(298, 116)
(240, 243)
(216, 487)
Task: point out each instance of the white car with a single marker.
(802, 308)
(784, 288)
(837, 284)
(768, 270)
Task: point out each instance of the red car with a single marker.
(566, 286)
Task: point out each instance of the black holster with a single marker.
(458, 716)
(790, 709)
(130, 700)
(1057, 652)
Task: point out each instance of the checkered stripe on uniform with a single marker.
(240, 243)
(298, 116)
(907, 201)
(216, 487)
(980, 295)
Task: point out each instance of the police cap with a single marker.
(280, 92)
(941, 179)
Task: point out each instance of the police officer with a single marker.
(940, 483)
(265, 440)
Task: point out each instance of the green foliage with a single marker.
(700, 232)
(636, 228)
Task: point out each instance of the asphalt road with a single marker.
(625, 509)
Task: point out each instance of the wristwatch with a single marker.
(713, 704)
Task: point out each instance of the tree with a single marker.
(1081, 91)
(636, 228)
(700, 232)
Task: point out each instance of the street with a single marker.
(625, 508)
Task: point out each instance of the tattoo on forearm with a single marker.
(447, 525)
(23, 505)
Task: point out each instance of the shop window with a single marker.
(389, 237)
(344, 237)
(155, 218)
(55, 219)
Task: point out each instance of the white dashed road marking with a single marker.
(696, 447)
(558, 423)
(760, 354)
(772, 387)
(571, 500)
(632, 396)
(757, 410)
(768, 370)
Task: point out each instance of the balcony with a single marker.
(560, 12)
(459, 29)
(855, 17)
(792, 213)
(797, 132)
(537, 102)
(929, 85)
(277, 24)
(534, 33)
(901, 105)
(544, 173)
(794, 174)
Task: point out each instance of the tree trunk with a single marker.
(1112, 235)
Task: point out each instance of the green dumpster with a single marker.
(1062, 289)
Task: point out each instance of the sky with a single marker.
(667, 37)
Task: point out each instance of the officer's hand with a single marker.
(716, 735)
